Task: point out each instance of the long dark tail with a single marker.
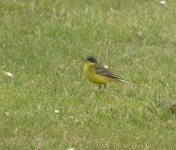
(119, 78)
(124, 81)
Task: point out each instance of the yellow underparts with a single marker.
(95, 78)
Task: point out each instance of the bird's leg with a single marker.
(104, 86)
(100, 88)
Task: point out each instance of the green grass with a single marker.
(42, 45)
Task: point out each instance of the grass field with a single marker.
(48, 104)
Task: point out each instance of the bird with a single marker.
(99, 74)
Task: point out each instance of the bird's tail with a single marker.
(119, 78)
(124, 81)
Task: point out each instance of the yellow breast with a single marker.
(93, 77)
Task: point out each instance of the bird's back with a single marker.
(91, 74)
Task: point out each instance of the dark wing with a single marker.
(101, 70)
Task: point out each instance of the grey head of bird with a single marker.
(91, 59)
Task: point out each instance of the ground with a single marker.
(47, 103)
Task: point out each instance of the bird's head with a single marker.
(90, 59)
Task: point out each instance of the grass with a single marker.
(42, 45)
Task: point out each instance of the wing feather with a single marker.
(101, 70)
